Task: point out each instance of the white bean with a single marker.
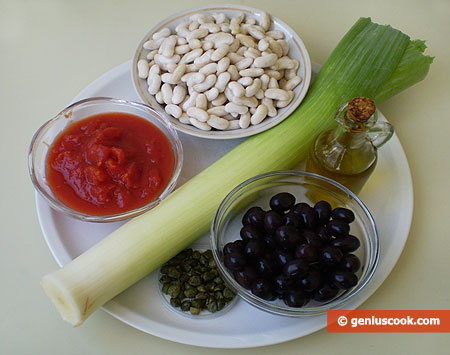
(284, 103)
(252, 89)
(182, 49)
(233, 72)
(250, 21)
(197, 34)
(182, 29)
(179, 93)
(173, 110)
(201, 102)
(222, 81)
(284, 63)
(225, 27)
(206, 45)
(246, 41)
(210, 68)
(190, 56)
(245, 101)
(143, 68)
(252, 53)
(245, 81)
(264, 20)
(181, 41)
(153, 44)
(164, 32)
(217, 111)
(184, 118)
(292, 83)
(204, 59)
(178, 72)
(235, 45)
(272, 111)
(163, 60)
(276, 48)
(219, 17)
(197, 113)
(159, 98)
(220, 52)
(218, 122)
(255, 32)
(212, 94)
(200, 125)
(260, 94)
(244, 63)
(154, 83)
(193, 78)
(195, 43)
(168, 46)
(264, 81)
(234, 57)
(207, 84)
(259, 115)
(236, 88)
(284, 45)
(265, 61)
(276, 94)
(193, 26)
(263, 44)
(190, 102)
(233, 124)
(244, 120)
(275, 34)
(273, 83)
(274, 74)
(220, 38)
(211, 27)
(235, 22)
(231, 107)
(220, 100)
(223, 65)
(167, 93)
(151, 54)
(167, 78)
(252, 72)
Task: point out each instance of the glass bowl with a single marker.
(309, 188)
(46, 134)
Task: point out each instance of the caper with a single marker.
(193, 282)
(195, 310)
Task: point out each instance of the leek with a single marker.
(371, 60)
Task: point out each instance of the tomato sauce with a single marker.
(109, 163)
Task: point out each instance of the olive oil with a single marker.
(348, 153)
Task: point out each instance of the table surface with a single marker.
(50, 50)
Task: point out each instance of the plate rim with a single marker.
(191, 337)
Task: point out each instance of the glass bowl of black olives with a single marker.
(294, 243)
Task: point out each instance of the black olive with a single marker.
(343, 214)
(263, 289)
(343, 279)
(287, 236)
(265, 267)
(311, 281)
(254, 249)
(232, 247)
(234, 261)
(307, 252)
(294, 298)
(330, 255)
(281, 283)
(296, 268)
(350, 262)
(323, 211)
(269, 242)
(321, 232)
(299, 207)
(282, 256)
(246, 277)
(250, 232)
(308, 218)
(282, 202)
(292, 220)
(313, 239)
(254, 216)
(346, 244)
(325, 293)
(338, 228)
(272, 221)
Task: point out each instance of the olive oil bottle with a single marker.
(348, 153)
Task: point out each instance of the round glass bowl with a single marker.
(297, 51)
(309, 188)
(80, 110)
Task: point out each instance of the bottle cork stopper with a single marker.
(360, 109)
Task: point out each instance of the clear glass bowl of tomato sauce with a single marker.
(103, 159)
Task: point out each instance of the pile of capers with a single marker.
(192, 281)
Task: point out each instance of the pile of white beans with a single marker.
(220, 73)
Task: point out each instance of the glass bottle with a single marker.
(348, 153)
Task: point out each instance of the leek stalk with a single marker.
(371, 60)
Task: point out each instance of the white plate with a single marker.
(297, 51)
(388, 195)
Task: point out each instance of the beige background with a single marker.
(50, 50)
